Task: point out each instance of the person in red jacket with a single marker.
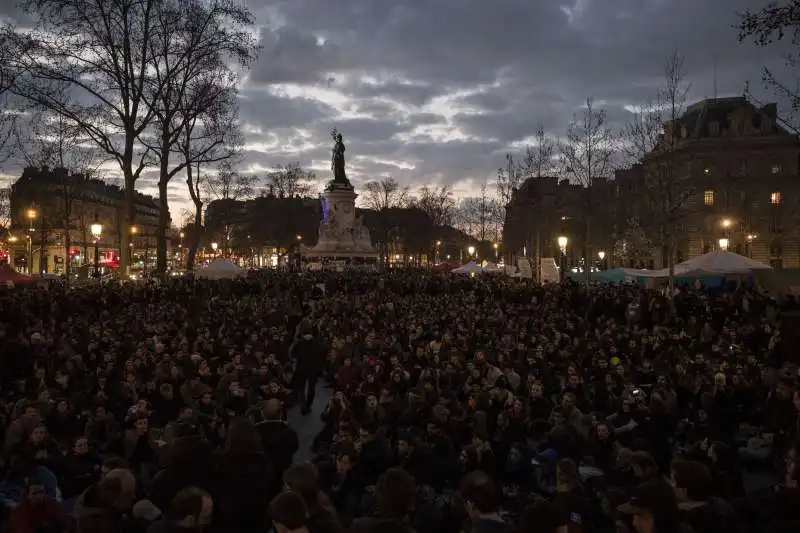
(39, 512)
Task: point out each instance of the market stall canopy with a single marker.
(221, 269)
(469, 268)
(719, 262)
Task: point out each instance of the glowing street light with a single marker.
(601, 254)
(471, 250)
(723, 243)
(97, 231)
(726, 223)
(562, 245)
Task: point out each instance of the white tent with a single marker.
(221, 269)
(719, 262)
(469, 268)
(715, 263)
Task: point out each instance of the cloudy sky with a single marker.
(437, 91)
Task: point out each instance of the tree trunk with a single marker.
(163, 225)
(194, 241)
(538, 258)
(128, 205)
(67, 249)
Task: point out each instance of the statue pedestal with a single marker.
(341, 234)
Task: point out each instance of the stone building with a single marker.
(732, 182)
(47, 203)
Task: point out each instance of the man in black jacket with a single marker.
(278, 439)
(309, 355)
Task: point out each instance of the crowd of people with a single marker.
(481, 405)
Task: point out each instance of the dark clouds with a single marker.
(439, 90)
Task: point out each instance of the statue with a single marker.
(337, 159)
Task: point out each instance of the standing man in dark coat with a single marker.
(278, 439)
(309, 355)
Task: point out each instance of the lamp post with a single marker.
(602, 255)
(724, 243)
(496, 247)
(97, 231)
(31, 214)
(436, 252)
(750, 238)
(134, 231)
(214, 247)
(470, 251)
(562, 245)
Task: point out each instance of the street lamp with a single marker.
(31, 214)
(602, 256)
(723, 243)
(97, 231)
(495, 246)
(562, 245)
(471, 251)
(726, 223)
(214, 247)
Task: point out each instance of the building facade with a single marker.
(728, 179)
(52, 212)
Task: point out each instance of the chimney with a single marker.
(770, 110)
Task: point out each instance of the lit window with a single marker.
(777, 169)
(775, 198)
(708, 197)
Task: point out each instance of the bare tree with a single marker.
(10, 111)
(539, 158)
(382, 197)
(229, 184)
(385, 194)
(538, 162)
(438, 203)
(508, 180)
(5, 209)
(650, 138)
(196, 46)
(767, 26)
(587, 154)
(477, 215)
(290, 180)
(212, 136)
(633, 249)
(88, 61)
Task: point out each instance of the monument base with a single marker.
(342, 235)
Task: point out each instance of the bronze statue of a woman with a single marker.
(337, 161)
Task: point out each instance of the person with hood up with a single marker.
(101, 507)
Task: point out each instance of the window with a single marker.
(708, 197)
(775, 198)
(777, 169)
